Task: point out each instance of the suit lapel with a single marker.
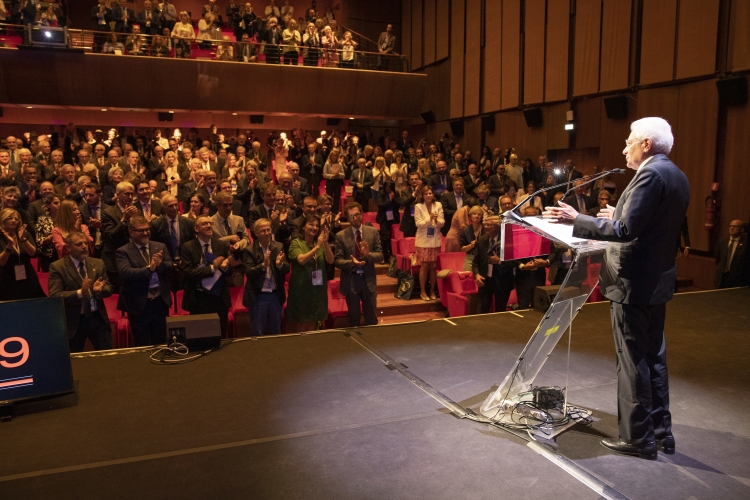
(72, 270)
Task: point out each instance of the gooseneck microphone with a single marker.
(592, 179)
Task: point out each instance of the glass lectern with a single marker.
(582, 261)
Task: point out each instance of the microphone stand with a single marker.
(592, 179)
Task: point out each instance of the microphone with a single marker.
(592, 179)
(514, 210)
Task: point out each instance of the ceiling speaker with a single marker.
(533, 117)
(732, 90)
(488, 123)
(616, 107)
(457, 127)
(428, 116)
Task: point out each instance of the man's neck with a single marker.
(204, 241)
(146, 201)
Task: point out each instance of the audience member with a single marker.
(18, 279)
(603, 199)
(469, 235)
(388, 214)
(81, 281)
(452, 201)
(115, 229)
(206, 265)
(494, 278)
(334, 173)
(440, 180)
(732, 267)
(578, 199)
(429, 219)
(361, 182)
(308, 284)
(408, 200)
(145, 268)
(68, 220)
(357, 252)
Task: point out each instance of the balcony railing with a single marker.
(142, 45)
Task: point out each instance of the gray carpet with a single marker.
(318, 416)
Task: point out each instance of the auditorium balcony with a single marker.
(106, 70)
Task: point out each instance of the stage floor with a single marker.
(319, 416)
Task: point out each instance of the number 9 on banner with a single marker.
(23, 352)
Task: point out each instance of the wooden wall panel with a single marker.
(556, 63)
(586, 52)
(429, 31)
(473, 57)
(442, 32)
(663, 102)
(534, 141)
(511, 59)
(417, 34)
(695, 151)
(533, 67)
(615, 45)
(657, 40)
(739, 36)
(697, 27)
(612, 136)
(736, 179)
(458, 14)
(512, 129)
(406, 30)
(491, 58)
(438, 87)
(557, 136)
(588, 116)
(472, 139)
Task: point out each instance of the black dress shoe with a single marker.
(647, 450)
(666, 444)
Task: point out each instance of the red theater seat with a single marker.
(463, 289)
(239, 312)
(403, 256)
(336, 303)
(451, 261)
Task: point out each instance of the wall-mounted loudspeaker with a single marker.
(256, 119)
(533, 117)
(428, 116)
(732, 90)
(488, 123)
(333, 122)
(457, 127)
(616, 107)
(1, 112)
(166, 117)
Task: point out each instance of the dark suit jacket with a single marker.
(311, 165)
(114, 235)
(256, 272)
(64, 281)
(434, 183)
(736, 268)
(385, 205)
(361, 195)
(86, 218)
(262, 160)
(589, 201)
(502, 272)
(121, 24)
(343, 257)
(408, 226)
(281, 231)
(495, 185)
(160, 233)
(470, 184)
(303, 187)
(193, 271)
(639, 263)
(490, 203)
(135, 277)
(155, 207)
(155, 28)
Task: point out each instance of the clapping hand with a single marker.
(156, 260)
(296, 184)
(279, 259)
(129, 212)
(364, 249)
(606, 213)
(494, 259)
(267, 259)
(21, 229)
(323, 237)
(434, 216)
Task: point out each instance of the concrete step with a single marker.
(388, 305)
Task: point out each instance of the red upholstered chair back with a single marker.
(451, 260)
(406, 246)
(368, 216)
(462, 283)
(396, 233)
(333, 290)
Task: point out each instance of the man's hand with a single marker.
(218, 261)
(606, 213)
(296, 184)
(86, 285)
(279, 259)
(563, 213)
(267, 260)
(364, 248)
(156, 260)
(235, 247)
(98, 285)
(284, 216)
(232, 238)
(356, 262)
(95, 223)
(129, 212)
(540, 262)
(253, 183)
(494, 260)
(480, 280)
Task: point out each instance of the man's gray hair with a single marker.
(122, 186)
(658, 130)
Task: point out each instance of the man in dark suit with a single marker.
(299, 183)
(29, 186)
(269, 209)
(259, 156)
(731, 258)
(265, 268)
(115, 233)
(386, 45)
(358, 249)
(312, 168)
(204, 155)
(361, 182)
(579, 200)
(173, 231)
(91, 214)
(206, 264)
(123, 18)
(440, 181)
(147, 207)
(291, 193)
(37, 207)
(486, 202)
(82, 283)
(407, 199)
(149, 20)
(570, 173)
(144, 267)
(637, 276)
(101, 16)
(309, 208)
(496, 182)
(494, 278)
(67, 188)
(453, 201)
(472, 180)
(248, 192)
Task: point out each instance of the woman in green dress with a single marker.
(308, 285)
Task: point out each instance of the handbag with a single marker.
(392, 268)
(405, 286)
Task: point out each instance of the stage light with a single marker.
(234, 114)
(569, 126)
(171, 112)
(48, 34)
(28, 107)
(558, 171)
(351, 118)
(104, 109)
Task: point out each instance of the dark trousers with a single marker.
(291, 58)
(266, 315)
(207, 303)
(642, 381)
(94, 328)
(273, 54)
(385, 239)
(526, 283)
(360, 294)
(150, 326)
(498, 286)
(333, 189)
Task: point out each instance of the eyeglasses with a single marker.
(142, 231)
(630, 142)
